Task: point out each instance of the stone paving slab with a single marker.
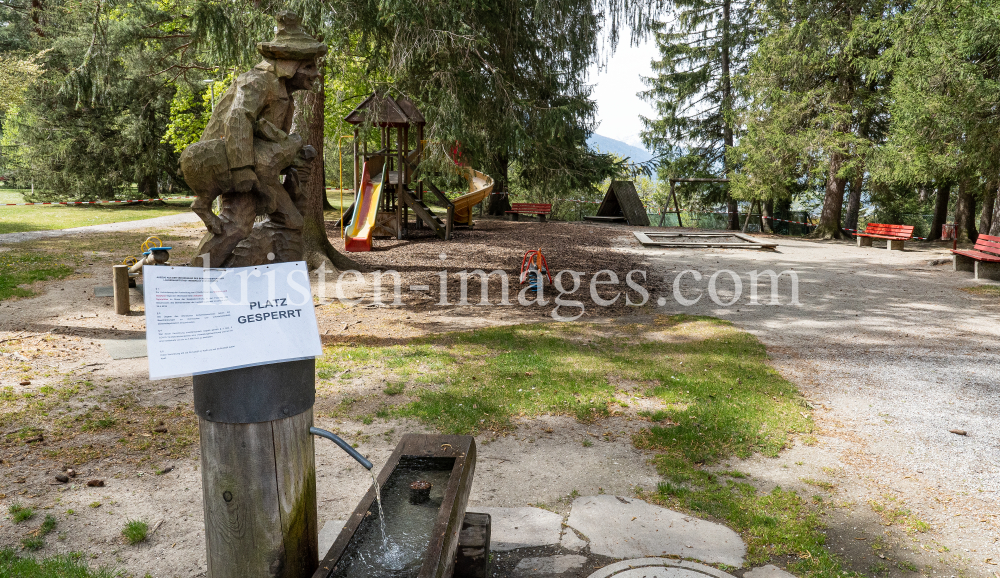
(549, 565)
(109, 291)
(628, 528)
(328, 535)
(513, 528)
(658, 568)
(124, 348)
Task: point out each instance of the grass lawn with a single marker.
(717, 398)
(46, 217)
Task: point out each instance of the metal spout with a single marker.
(343, 445)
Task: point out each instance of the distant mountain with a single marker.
(610, 145)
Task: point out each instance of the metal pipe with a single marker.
(343, 445)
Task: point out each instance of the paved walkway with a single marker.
(156, 222)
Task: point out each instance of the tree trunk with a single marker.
(940, 211)
(995, 222)
(854, 201)
(986, 215)
(727, 107)
(833, 202)
(965, 213)
(36, 17)
(308, 122)
(767, 216)
(147, 187)
(499, 200)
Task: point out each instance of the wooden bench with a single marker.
(983, 259)
(539, 209)
(894, 235)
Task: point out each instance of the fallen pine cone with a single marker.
(25, 382)
(960, 432)
(96, 483)
(62, 478)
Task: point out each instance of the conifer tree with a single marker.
(705, 45)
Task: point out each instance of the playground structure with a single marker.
(384, 179)
(621, 204)
(534, 269)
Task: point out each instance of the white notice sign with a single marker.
(204, 320)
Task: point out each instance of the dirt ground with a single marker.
(872, 380)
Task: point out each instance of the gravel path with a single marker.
(154, 223)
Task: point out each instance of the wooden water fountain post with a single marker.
(258, 470)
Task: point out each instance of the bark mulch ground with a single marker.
(495, 244)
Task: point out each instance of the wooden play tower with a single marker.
(397, 119)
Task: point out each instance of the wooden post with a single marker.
(677, 206)
(400, 176)
(258, 470)
(405, 148)
(473, 559)
(746, 221)
(120, 284)
(357, 169)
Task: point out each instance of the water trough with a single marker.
(423, 530)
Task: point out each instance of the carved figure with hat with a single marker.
(247, 148)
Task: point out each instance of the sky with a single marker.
(615, 88)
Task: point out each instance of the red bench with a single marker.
(983, 259)
(539, 209)
(894, 235)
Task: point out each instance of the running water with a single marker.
(381, 511)
(391, 552)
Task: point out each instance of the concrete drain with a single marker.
(659, 568)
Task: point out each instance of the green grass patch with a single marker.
(102, 423)
(394, 388)
(778, 523)
(19, 267)
(63, 566)
(982, 290)
(135, 531)
(894, 514)
(32, 543)
(47, 526)
(19, 512)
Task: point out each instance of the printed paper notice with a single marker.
(204, 320)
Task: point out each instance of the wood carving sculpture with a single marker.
(245, 151)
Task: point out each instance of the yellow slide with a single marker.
(480, 187)
(358, 235)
